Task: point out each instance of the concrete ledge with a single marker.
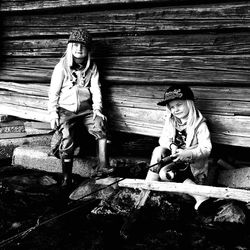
(7, 146)
(37, 157)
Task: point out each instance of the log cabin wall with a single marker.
(140, 47)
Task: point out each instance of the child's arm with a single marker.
(54, 94)
(95, 89)
(200, 151)
(167, 135)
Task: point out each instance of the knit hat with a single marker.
(177, 92)
(80, 36)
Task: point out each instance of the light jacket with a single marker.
(69, 89)
(198, 142)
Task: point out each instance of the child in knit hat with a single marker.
(185, 138)
(75, 98)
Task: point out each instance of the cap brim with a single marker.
(162, 103)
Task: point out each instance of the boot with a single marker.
(67, 164)
(103, 162)
(198, 198)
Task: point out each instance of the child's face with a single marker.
(179, 108)
(79, 50)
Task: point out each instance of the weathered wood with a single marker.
(144, 49)
(197, 17)
(23, 100)
(15, 5)
(191, 189)
(200, 70)
(140, 45)
(25, 88)
(134, 109)
(26, 112)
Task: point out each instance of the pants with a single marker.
(70, 121)
(182, 169)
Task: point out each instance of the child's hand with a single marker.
(54, 123)
(98, 113)
(182, 155)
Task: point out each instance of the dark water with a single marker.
(166, 223)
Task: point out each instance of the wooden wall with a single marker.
(141, 47)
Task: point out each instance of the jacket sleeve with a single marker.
(167, 134)
(95, 89)
(54, 90)
(203, 149)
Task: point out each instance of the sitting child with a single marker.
(186, 138)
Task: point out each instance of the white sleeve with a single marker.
(95, 89)
(54, 90)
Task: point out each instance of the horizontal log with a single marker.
(225, 107)
(155, 92)
(165, 18)
(134, 110)
(28, 113)
(235, 125)
(217, 100)
(138, 114)
(191, 189)
(202, 70)
(25, 88)
(15, 5)
(23, 100)
(181, 44)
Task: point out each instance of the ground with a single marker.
(31, 198)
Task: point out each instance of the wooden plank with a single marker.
(17, 5)
(140, 45)
(191, 189)
(199, 70)
(23, 100)
(232, 130)
(154, 93)
(235, 125)
(25, 88)
(164, 18)
(26, 113)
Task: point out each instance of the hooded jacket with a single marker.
(70, 89)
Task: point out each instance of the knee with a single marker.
(158, 153)
(165, 174)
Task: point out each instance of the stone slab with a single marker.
(38, 158)
(7, 146)
(236, 178)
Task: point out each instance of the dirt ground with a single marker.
(166, 221)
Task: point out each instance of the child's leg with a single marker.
(97, 128)
(158, 153)
(67, 146)
(67, 152)
(167, 173)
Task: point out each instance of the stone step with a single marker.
(7, 146)
(37, 157)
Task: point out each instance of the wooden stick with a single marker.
(191, 189)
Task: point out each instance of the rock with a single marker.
(232, 213)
